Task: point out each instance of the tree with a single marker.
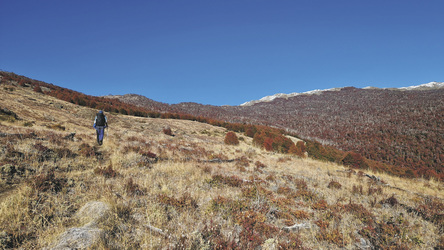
(355, 160)
(268, 144)
(298, 149)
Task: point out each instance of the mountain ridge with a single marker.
(426, 86)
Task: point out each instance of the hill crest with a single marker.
(426, 86)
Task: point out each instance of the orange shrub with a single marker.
(231, 139)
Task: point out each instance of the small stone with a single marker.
(270, 244)
(93, 210)
(364, 244)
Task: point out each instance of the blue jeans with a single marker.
(100, 132)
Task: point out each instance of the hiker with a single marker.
(100, 123)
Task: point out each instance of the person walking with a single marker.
(100, 124)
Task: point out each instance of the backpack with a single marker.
(100, 120)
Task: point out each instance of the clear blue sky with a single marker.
(222, 51)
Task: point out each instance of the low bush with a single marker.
(107, 172)
(334, 185)
(48, 182)
(332, 236)
(232, 181)
(183, 202)
(86, 150)
(255, 230)
(231, 139)
(133, 188)
(168, 131)
(392, 201)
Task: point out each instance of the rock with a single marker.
(78, 238)
(270, 244)
(71, 182)
(297, 227)
(363, 244)
(92, 211)
(83, 237)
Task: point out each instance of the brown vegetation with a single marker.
(231, 139)
(192, 190)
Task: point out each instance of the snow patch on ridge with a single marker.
(281, 95)
(430, 85)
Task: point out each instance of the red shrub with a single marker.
(268, 144)
(86, 150)
(48, 181)
(133, 188)
(38, 89)
(299, 149)
(334, 184)
(183, 202)
(168, 131)
(354, 160)
(231, 139)
(108, 172)
(232, 181)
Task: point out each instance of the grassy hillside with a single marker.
(402, 129)
(190, 190)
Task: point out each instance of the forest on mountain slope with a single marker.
(402, 128)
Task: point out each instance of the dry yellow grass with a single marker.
(198, 191)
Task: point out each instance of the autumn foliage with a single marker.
(272, 140)
(407, 135)
(298, 149)
(354, 160)
(231, 139)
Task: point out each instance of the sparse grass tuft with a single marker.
(133, 188)
(181, 203)
(57, 126)
(232, 181)
(86, 150)
(48, 182)
(107, 172)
